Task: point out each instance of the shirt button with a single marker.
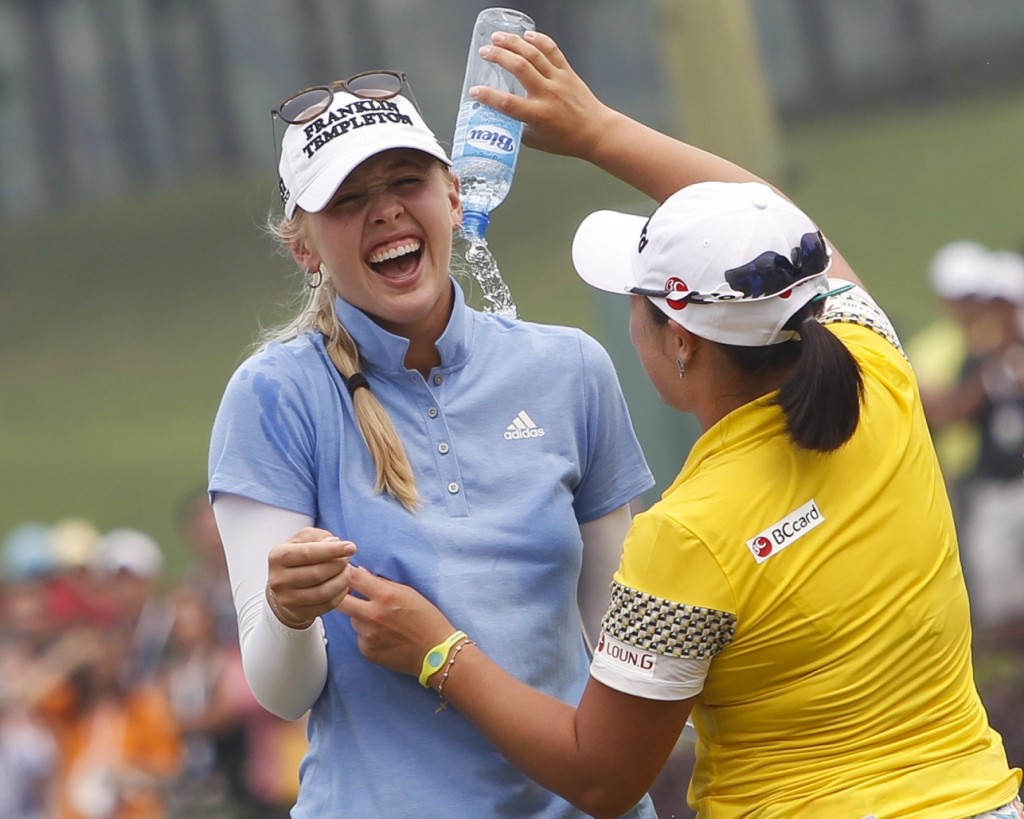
(443, 448)
(438, 379)
(432, 412)
(453, 488)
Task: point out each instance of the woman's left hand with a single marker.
(395, 624)
(561, 114)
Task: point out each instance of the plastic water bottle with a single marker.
(486, 142)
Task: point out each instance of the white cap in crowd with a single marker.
(128, 550)
(957, 270)
(966, 269)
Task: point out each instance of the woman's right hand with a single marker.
(308, 575)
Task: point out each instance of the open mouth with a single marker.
(397, 259)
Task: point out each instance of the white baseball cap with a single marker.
(1006, 277)
(959, 269)
(318, 155)
(729, 261)
(128, 550)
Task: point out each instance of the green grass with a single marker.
(120, 324)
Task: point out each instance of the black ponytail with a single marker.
(821, 398)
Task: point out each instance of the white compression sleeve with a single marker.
(286, 668)
(602, 551)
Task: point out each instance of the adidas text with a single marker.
(523, 426)
(515, 434)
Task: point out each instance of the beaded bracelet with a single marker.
(447, 671)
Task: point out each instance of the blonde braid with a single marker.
(394, 471)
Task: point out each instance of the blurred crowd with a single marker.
(121, 691)
(970, 365)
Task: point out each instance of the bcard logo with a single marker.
(676, 285)
(787, 531)
(762, 546)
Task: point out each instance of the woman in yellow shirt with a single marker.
(797, 591)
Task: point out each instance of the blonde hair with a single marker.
(317, 314)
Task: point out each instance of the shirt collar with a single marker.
(385, 352)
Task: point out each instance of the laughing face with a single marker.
(385, 238)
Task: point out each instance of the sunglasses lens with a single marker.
(305, 106)
(375, 85)
(813, 253)
(769, 273)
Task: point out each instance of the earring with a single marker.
(681, 365)
(313, 278)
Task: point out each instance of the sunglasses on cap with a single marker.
(766, 275)
(309, 103)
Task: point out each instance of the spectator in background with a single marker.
(207, 571)
(27, 633)
(118, 740)
(74, 593)
(988, 395)
(198, 676)
(128, 565)
(27, 751)
(260, 763)
(971, 350)
(231, 743)
(957, 275)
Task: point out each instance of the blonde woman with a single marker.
(490, 461)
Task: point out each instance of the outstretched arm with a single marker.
(563, 116)
(602, 756)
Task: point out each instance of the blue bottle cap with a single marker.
(474, 225)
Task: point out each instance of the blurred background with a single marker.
(137, 170)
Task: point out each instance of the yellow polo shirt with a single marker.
(820, 601)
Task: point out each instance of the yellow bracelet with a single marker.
(447, 671)
(436, 657)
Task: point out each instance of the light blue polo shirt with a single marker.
(520, 435)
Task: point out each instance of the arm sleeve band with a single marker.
(286, 668)
(602, 551)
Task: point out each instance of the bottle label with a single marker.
(492, 135)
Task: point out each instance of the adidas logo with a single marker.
(522, 426)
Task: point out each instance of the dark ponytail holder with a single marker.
(354, 382)
(841, 289)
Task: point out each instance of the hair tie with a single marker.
(834, 292)
(354, 382)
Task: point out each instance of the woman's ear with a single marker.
(686, 342)
(456, 203)
(305, 257)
